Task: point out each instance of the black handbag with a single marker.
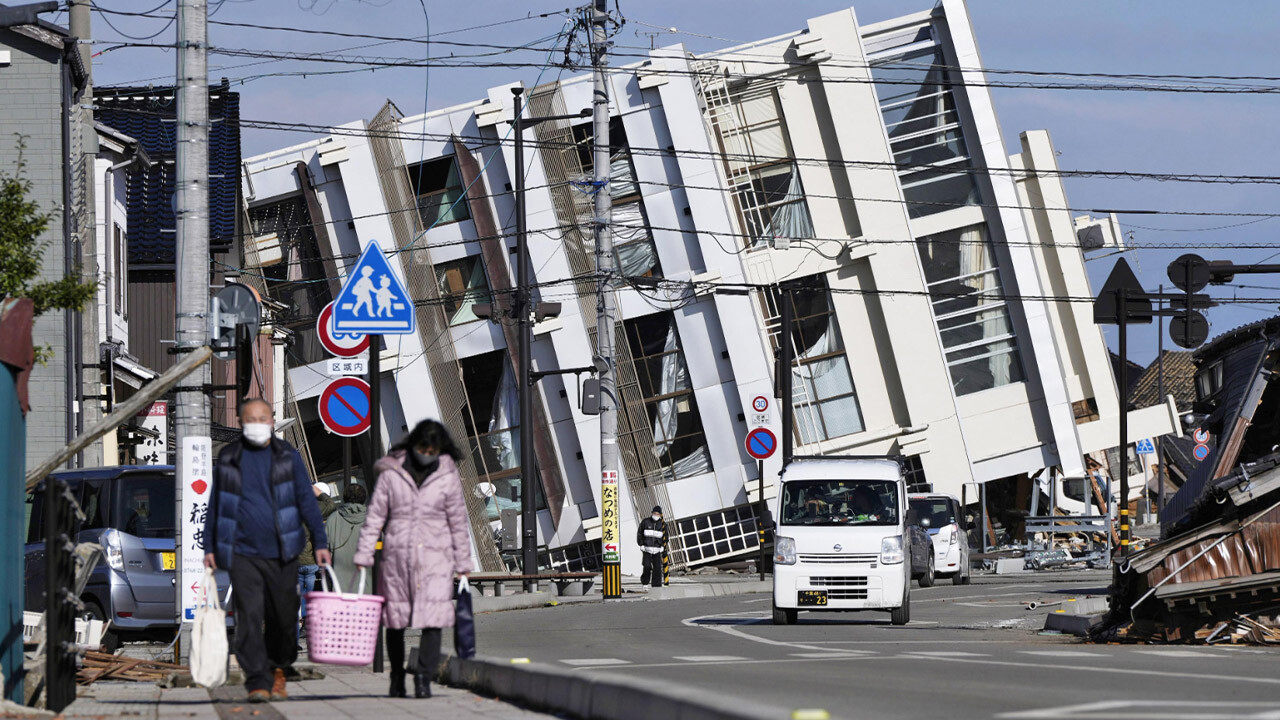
(464, 624)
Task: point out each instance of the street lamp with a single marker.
(524, 317)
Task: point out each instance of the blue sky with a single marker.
(1150, 132)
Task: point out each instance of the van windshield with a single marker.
(144, 506)
(839, 502)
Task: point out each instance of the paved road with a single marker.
(969, 652)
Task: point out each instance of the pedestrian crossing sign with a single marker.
(372, 300)
(1145, 447)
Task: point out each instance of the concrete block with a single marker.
(1070, 624)
(1011, 566)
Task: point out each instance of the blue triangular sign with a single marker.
(372, 300)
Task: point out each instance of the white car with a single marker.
(841, 538)
(942, 517)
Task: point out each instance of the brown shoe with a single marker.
(277, 687)
(259, 696)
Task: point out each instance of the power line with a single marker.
(407, 62)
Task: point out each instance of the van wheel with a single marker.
(902, 615)
(926, 580)
(783, 616)
(110, 639)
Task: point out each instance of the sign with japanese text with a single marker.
(195, 480)
(154, 450)
(610, 535)
(338, 367)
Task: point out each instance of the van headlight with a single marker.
(891, 550)
(784, 551)
(113, 549)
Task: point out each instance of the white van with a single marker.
(841, 538)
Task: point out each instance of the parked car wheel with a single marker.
(783, 616)
(960, 578)
(927, 579)
(110, 639)
(902, 615)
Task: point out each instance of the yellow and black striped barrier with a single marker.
(612, 580)
(666, 569)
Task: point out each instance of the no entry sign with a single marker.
(340, 344)
(344, 406)
(761, 443)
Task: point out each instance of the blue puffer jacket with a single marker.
(222, 526)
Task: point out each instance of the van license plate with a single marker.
(811, 598)
(168, 561)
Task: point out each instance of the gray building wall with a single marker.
(31, 106)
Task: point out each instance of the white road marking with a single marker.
(709, 658)
(1113, 670)
(833, 654)
(1063, 653)
(1152, 710)
(829, 657)
(596, 661)
(1179, 653)
(945, 654)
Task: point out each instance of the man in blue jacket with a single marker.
(261, 499)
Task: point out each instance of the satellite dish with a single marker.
(233, 305)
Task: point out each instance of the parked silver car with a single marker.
(130, 512)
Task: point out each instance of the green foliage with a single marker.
(21, 225)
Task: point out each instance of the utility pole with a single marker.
(191, 412)
(524, 313)
(1160, 396)
(606, 308)
(85, 230)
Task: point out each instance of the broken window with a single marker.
(462, 285)
(1209, 380)
(924, 130)
(763, 176)
(970, 309)
(633, 249)
(824, 399)
(493, 429)
(680, 445)
(441, 197)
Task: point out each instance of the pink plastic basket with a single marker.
(342, 628)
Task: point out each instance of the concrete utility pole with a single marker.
(191, 412)
(606, 309)
(85, 256)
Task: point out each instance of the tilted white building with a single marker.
(855, 171)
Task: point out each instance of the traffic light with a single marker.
(1188, 327)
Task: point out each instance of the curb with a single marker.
(520, 601)
(549, 689)
(697, 590)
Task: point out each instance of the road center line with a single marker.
(1085, 668)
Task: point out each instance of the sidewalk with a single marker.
(344, 693)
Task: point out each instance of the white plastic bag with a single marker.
(209, 637)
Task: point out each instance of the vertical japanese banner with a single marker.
(609, 531)
(154, 451)
(195, 478)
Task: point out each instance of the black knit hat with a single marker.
(657, 509)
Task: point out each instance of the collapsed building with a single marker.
(855, 172)
(1218, 562)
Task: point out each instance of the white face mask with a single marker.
(656, 517)
(257, 434)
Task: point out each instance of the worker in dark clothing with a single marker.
(652, 537)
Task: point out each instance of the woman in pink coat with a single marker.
(418, 502)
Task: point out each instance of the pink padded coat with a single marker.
(426, 542)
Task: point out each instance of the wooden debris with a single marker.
(105, 666)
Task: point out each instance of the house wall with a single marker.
(34, 75)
